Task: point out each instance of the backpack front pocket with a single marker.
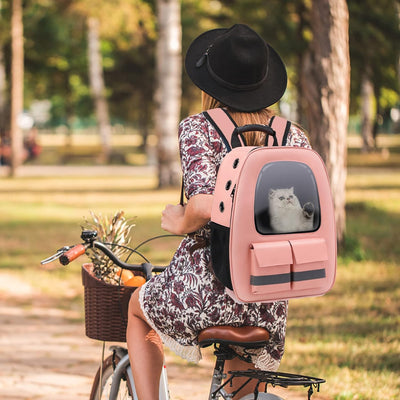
(288, 265)
(270, 267)
(310, 258)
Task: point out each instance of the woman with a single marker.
(237, 70)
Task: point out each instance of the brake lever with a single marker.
(55, 256)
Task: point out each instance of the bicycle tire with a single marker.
(262, 396)
(124, 392)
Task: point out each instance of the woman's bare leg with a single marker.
(238, 365)
(145, 352)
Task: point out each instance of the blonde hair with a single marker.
(241, 118)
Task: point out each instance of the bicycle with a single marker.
(114, 379)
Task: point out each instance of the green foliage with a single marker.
(131, 83)
(389, 97)
(373, 29)
(55, 59)
(126, 22)
(56, 55)
(351, 250)
(56, 49)
(5, 19)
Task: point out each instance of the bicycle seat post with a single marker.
(223, 337)
(222, 354)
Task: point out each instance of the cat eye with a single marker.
(281, 198)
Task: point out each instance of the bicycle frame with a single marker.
(217, 390)
(123, 367)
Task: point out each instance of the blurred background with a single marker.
(89, 71)
(91, 93)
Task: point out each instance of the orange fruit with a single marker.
(125, 275)
(136, 281)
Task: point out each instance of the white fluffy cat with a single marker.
(286, 214)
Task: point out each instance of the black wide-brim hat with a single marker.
(237, 67)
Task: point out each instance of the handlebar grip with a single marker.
(72, 254)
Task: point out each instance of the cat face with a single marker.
(283, 198)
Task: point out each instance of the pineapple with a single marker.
(115, 231)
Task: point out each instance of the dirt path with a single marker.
(44, 354)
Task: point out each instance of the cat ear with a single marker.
(271, 193)
(291, 189)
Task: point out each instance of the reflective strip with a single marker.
(308, 275)
(285, 278)
(269, 279)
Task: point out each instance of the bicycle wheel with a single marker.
(262, 396)
(102, 392)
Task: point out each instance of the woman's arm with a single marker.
(189, 218)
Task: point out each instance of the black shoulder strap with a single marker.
(182, 198)
(223, 124)
(281, 126)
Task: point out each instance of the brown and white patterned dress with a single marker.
(187, 297)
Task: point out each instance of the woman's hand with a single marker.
(189, 218)
(172, 218)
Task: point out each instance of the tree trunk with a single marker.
(168, 93)
(3, 93)
(326, 86)
(97, 86)
(17, 85)
(301, 11)
(367, 113)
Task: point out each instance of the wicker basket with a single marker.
(106, 307)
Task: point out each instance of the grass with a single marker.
(350, 337)
(40, 215)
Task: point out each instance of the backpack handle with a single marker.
(238, 138)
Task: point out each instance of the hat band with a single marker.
(233, 86)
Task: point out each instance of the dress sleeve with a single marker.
(198, 156)
(297, 137)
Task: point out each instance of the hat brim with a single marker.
(270, 91)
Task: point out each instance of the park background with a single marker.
(350, 336)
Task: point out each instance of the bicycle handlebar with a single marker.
(72, 254)
(146, 267)
(68, 254)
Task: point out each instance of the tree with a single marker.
(367, 111)
(3, 92)
(17, 85)
(96, 79)
(326, 87)
(373, 30)
(3, 83)
(56, 61)
(126, 23)
(168, 92)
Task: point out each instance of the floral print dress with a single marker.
(187, 298)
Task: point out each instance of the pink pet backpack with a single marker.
(273, 233)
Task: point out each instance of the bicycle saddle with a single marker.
(246, 336)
